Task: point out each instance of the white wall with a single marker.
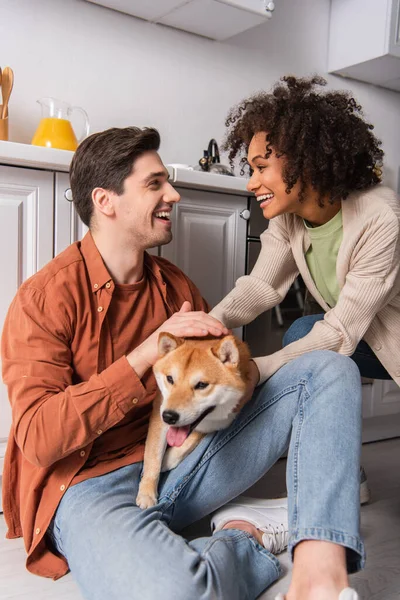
(125, 71)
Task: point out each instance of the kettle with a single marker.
(211, 162)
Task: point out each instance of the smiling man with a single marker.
(78, 345)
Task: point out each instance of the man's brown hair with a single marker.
(105, 160)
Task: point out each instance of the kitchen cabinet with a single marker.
(26, 245)
(381, 410)
(216, 19)
(68, 227)
(364, 41)
(209, 240)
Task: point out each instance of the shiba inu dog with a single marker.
(201, 382)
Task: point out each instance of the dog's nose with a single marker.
(170, 416)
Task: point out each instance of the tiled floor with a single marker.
(380, 526)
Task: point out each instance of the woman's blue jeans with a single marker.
(368, 364)
(116, 551)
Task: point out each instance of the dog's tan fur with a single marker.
(221, 363)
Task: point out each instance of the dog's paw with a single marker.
(145, 500)
(172, 458)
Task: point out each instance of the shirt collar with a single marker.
(97, 270)
(98, 273)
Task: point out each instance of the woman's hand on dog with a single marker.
(254, 378)
(185, 323)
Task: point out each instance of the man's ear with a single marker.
(168, 342)
(226, 350)
(103, 201)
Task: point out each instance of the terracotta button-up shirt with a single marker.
(67, 390)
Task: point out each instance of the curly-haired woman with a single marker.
(315, 169)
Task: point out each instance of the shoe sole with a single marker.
(365, 494)
(365, 497)
(272, 503)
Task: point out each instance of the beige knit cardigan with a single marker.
(367, 269)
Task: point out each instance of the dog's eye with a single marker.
(169, 379)
(201, 385)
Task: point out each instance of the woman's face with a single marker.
(267, 183)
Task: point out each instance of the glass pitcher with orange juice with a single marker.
(55, 129)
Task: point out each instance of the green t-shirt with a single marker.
(322, 255)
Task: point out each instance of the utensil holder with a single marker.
(3, 127)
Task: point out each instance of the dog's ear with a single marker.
(168, 342)
(226, 350)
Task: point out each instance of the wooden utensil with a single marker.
(7, 82)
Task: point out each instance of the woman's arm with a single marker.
(373, 279)
(267, 284)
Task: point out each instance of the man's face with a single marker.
(144, 208)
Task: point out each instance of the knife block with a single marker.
(3, 127)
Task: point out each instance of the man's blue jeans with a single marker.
(116, 551)
(368, 364)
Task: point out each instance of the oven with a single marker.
(264, 335)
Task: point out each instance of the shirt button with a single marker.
(96, 285)
(99, 431)
(378, 347)
(62, 487)
(135, 400)
(398, 374)
(37, 531)
(99, 309)
(82, 453)
(108, 285)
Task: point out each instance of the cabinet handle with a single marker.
(245, 214)
(68, 194)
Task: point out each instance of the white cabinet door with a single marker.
(364, 41)
(383, 400)
(209, 242)
(381, 410)
(68, 227)
(26, 245)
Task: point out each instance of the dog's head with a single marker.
(199, 380)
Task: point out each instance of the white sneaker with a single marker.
(269, 516)
(347, 594)
(261, 502)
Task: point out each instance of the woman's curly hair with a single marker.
(323, 137)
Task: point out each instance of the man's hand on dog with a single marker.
(254, 378)
(185, 323)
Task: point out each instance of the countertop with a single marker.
(51, 159)
(25, 155)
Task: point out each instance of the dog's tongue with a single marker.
(177, 435)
